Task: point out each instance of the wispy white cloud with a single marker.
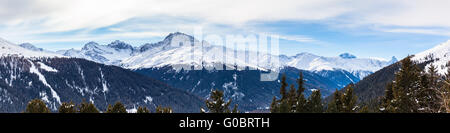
(32, 17)
(430, 31)
(297, 38)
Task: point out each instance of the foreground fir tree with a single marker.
(274, 106)
(36, 106)
(335, 106)
(161, 109)
(349, 100)
(314, 103)
(417, 91)
(235, 109)
(284, 105)
(117, 108)
(388, 99)
(343, 102)
(294, 101)
(142, 110)
(444, 93)
(67, 108)
(405, 85)
(301, 100)
(428, 96)
(216, 103)
(413, 90)
(364, 109)
(86, 107)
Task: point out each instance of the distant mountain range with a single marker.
(242, 85)
(164, 53)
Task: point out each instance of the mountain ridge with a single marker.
(164, 53)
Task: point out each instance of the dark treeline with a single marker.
(215, 104)
(38, 106)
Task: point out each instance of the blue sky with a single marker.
(381, 28)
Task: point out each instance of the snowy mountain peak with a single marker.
(120, 45)
(347, 56)
(90, 45)
(172, 40)
(178, 34)
(179, 39)
(30, 47)
(111, 54)
(440, 54)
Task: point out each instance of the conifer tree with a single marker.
(428, 95)
(161, 109)
(274, 107)
(405, 88)
(36, 106)
(142, 110)
(364, 109)
(67, 108)
(117, 108)
(292, 99)
(343, 102)
(216, 103)
(301, 100)
(284, 84)
(86, 107)
(235, 109)
(388, 99)
(284, 106)
(284, 103)
(314, 103)
(444, 93)
(335, 106)
(348, 100)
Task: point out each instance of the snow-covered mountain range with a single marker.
(360, 67)
(36, 74)
(111, 54)
(156, 60)
(165, 53)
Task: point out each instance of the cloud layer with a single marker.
(22, 18)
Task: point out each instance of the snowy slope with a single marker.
(441, 54)
(8, 48)
(164, 53)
